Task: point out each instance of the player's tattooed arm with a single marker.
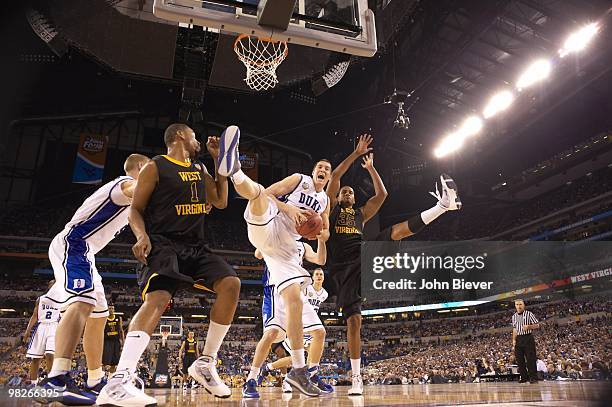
(147, 181)
(33, 320)
(363, 147)
(216, 188)
(380, 192)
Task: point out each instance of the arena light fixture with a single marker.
(449, 144)
(579, 40)
(470, 127)
(536, 72)
(198, 316)
(498, 103)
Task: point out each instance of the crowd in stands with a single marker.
(569, 351)
(572, 351)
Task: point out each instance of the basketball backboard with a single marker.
(346, 26)
(172, 325)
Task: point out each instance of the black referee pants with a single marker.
(525, 355)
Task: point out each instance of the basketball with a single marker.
(311, 228)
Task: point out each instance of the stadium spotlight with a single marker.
(537, 71)
(498, 102)
(449, 144)
(470, 127)
(579, 40)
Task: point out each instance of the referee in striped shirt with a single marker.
(523, 322)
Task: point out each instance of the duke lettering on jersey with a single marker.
(47, 311)
(304, 195)
(310, 202)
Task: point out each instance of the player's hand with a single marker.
(212, 145)
(296, 214)
(363, 145)
(258, 254)
(368, 161)
(142, 248)
(24, 338)
(323, 235)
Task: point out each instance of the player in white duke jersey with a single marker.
(41, 331)
(275, 323)
(78, 290)
(271, 226)
(314, 296)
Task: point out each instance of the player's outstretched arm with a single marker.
(285, 187)
(216, 188)
(33, 320)
(320, 256)
(380, 192)
(334, 183)
(147, 180)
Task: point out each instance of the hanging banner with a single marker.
(90, 159)
(249, 164)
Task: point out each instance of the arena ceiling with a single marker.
(450, 55)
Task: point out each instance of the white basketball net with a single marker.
(261, 57)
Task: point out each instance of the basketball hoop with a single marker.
(261, 57)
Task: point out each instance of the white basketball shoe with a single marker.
(357, 387)
(228, 162)
(204, 370)
(120, 391)
(449, 198)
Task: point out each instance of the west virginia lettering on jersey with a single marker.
(190, 209)
(346, 230)
(187, 176)
(309, 201)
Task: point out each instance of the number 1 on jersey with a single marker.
(194, 192)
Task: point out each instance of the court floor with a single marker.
(561, 394)
(501, 394)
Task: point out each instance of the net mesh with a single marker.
(261, 57)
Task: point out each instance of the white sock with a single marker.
(253, 373)
(269, 366)
(239, 177)
(94, 377)
(60, 366)
(356, 367)
(311, 370)
(216, 333)
(297, 358)
(135, 344)
(430, 215)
